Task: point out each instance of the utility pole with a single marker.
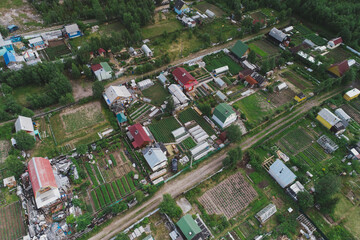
(191, 161)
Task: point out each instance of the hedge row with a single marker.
(95, 200)
(106, 195)
(111, 193)
(116, 190)
(100, 197)
(91, 174)
(121, 187)
(113, 160)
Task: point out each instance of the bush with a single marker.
(169, 206)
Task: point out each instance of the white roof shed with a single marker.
(24, 123)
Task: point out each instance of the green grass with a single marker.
(121, 187)
(257, 50)
(163, 128)
(220, 59)
(169, 25)
(190, 114)
(100, 197)
(188, 143)
(21, 93)
(81, 119)
(116, 190)
(91, 174)
(110, 191)
(157, 93)
(95, 200)
(266, 46)
(98, 174)
(11, 3)
(131, 183)
(126, 186)
(57, 52)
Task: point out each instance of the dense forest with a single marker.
(338, 17)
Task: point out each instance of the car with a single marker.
(174, 165)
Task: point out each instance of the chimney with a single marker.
(281, 170)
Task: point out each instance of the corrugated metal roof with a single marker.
(188, 227)
(281, 173)
(154, 156)
(277, 34)
(342, 114)
(329, 116)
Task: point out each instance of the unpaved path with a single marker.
(205, 169)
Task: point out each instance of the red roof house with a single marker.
(335, 42)
(185, 79)
(139, 136)
(339, 69)
(101, 51)
(245, 72)
(43, 181)
(96, 67)
(251, 80)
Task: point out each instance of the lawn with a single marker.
(57, 51)
(163, 128)
(257, 50)
(255, 107)
(266, 46)
(338, 54)
(220, 59)
(20, 93)
(11, 3)
(190, 114)
(203, 6)
(157, 93)
(171, 24)
(297, 80)
(307, 33)
(82, 118)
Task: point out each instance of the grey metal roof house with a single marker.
(278, 34)
(155, 157)
(281, 173)
(345, 118)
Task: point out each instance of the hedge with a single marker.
(98, 174)
(100, 197)
(113, 160)
(131, 183)
(116, 190)
(126, 186)
(110, 191)
(95, 200)
(121, 187)
(91, 174)
(106, 195)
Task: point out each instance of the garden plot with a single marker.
(203, 6)
(141, 111)
(266, 47)
(295, 141)
(11, 222)
(57, 49)
(157, 93)
(308, 34)
(312, 155)
(280, 98)
(353, 113)
(297, 80)
(4, 150)
(229, 197)
(191, 115)
(163, 128)
(338, 54)
(220, 59)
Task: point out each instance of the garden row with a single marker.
(190, 115)
(110, 192)
(163, 128)
(220, 59)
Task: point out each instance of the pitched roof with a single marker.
(328, 116)
(281, 173)
(251, 80)
(260, 79)
(337, 40)
(72, 28)
(179, 4)
(277, 34)
(24, 123)
(140, 136)
(114, 92)
(101, 50)
(121, 117)
(41, 174)
(35, 40)
(106, 66)
(245, 72)
(9, 57)
(96, 67)
(188, 226)
(340, 68)
(183, 76)
(239, 49)
(223, 111)
(154, 156)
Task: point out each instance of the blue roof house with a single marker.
(5, 45)
(281, 173)
(73, 31)
(9, 57)
(181, 7)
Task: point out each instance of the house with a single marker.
(181, 7)
(31, 57)
(339, 69)
(327, 144)
(101, 52)
(37, 43)
(261, 81)
(300, 97)
(281, 173)
(345, 118)
(147, 50)
(155, 158)
(330, 121)
(5, 45)
(24, 124)
(250, 81)
(9, 182)
(121, 118)
(244, 73)
(185, 79)
(220, 82)
(224, 115)
(116, 95)
(240, 50)
(9, 58)
(43, 182)
(72, 31)
(12, 28)
(102, 71)
(294, 189)
(189, 228)
(334, 43)
(162, 78)
(266, 213)
(178, 95)
(139, 136)
(188, 21)
(144, 84)
(279, 37)
(352, 94)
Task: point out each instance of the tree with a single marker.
(252, 56)
(75, 72)
(6, 89)
(118, 208)
(4, 32)
(27, 112)
(24, 141)
(169, 206)
(139, 195)
(82, 149)
(88, 72)
(66, 99)
(83, 221)
(98, 89)
(70, 219)
(205, 108)
(305, 200)
(14, 165)
(325, 188)
(233, 157)
(233, 133)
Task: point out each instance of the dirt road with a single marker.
(208, 167)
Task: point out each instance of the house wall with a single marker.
(232, 118)
(74, 34)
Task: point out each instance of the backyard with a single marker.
(169, 24)
(191, 115)
(163, 128)
(157, 93)
(220, 59)
(203, 6)
(11, 222)
(57, 49)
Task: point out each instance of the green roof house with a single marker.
(224, 115)
(240, 49)
(188, 227)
